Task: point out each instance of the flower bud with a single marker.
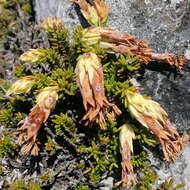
(32, 55)
(51, 24)
(95, 15)
(102, 10)
(126, 135)
(47, 97)
(126, 140)
(91, 36)
(22, 85)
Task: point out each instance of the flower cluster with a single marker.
(90, 80)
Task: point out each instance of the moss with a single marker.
(21, 184)
(1, 170)
(6, 146)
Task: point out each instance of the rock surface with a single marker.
(166, 25)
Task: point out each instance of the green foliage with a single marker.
(6, 146)
(102, 151)
(1, 170)
(169, 185)
(64, 126)
(46, 176)
(148, 176)
(56, 66)
(82, 187)
(10, 116)
(20, 184)
(50, 146)
(58, 40)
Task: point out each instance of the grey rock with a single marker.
(166, 25)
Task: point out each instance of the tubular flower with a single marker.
(51, 24)
(151, 115)
(126, 141)
(46, 101)
(90, 80)
(22, 85)
(95, 15)
(113, 40)
(32, 55)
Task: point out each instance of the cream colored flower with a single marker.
(91, 36)
(22, 85)
(50, 24)
(95, 15)
(126, 141)
(90, 80)
(32, 55)
(102, 10)
(47, 97)
(151, 115)
(127, 135)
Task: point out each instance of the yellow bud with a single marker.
(50, 24)
(102, 10)
(47, 97)
(32, 55)
(86, 64)
(91, 36)
(127, 134)
(22, 85)
(91, 16)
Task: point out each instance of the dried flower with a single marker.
(32, 55)
(39, 114)
(90, 80)
(151, 115)
(126, 140)
(95, 15)
(115, 41)
(22, 85)
(51, 24)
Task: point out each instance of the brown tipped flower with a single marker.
(102, 10)
(126, 141)
(151, 115)
(90, 80)
(51, 24)
(95, 15)
(115, 41)
(39, 114)
(22, 85)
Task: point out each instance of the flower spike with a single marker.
(152, 116)
(126, 141)
(90, 80)
(46, 101)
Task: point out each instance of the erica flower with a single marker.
(151, 115)
(32, 55)
(22, 85)
(126, 141)
(45, 102)
(90, 80)
(51, 24)
(116, 41)
(96, 14)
